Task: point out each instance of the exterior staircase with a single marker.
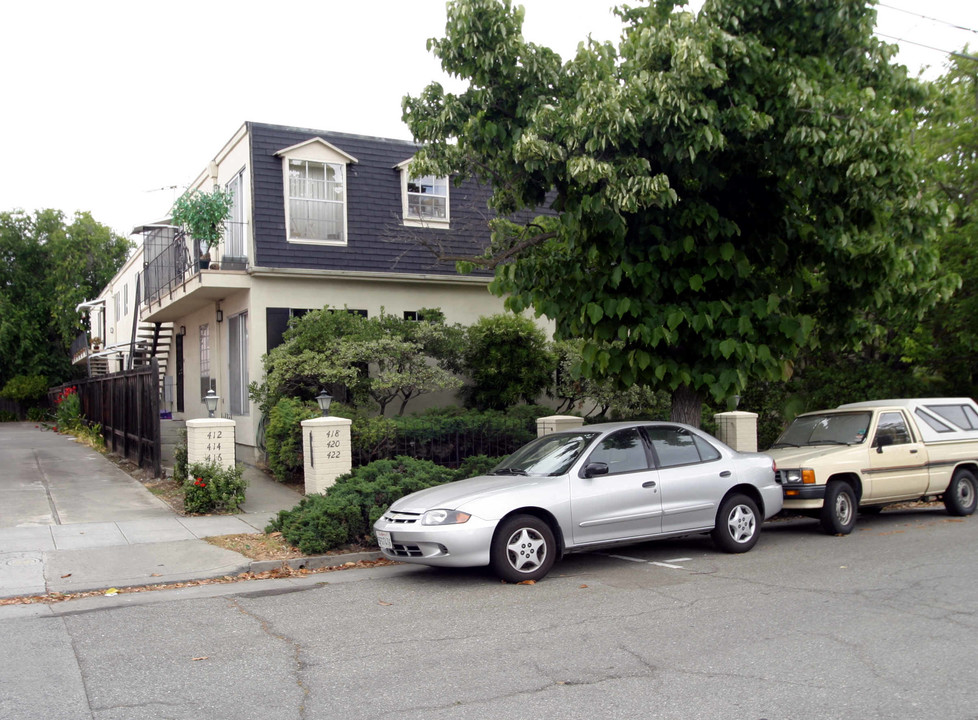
(153, 340)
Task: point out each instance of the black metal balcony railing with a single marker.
(171, 257)
(168, 261)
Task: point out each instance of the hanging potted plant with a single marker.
(203, 216)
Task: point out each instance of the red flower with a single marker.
(200, 482)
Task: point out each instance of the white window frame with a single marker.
(415, 220)
(238, 399)
(235, 236)
(320, 152)
(206, 382)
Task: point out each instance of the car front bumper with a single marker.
(803, 497)
(463, 545)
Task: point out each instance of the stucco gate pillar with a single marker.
(327, 451)
(556, 423)
(210, 440)
(738, 430)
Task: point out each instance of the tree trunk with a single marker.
(687, 406)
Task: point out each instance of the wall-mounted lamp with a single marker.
(210, 400)
(183, 330)
(220, 316)
(324, 399)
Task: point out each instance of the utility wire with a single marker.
(928, 47)
(925, 17)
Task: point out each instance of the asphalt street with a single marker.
(878, 624)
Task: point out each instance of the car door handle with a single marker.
(649, 484)
(913, 452)
(725, 473)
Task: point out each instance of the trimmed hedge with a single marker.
(346, 513)
(446, 435)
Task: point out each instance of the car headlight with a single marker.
(799, 476)
(444, 517)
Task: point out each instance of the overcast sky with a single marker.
(116, 106)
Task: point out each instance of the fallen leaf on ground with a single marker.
(66, 575)
(386, 604)
(202, 657)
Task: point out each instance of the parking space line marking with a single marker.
(667, 565)
(679, 560)
(624, 557)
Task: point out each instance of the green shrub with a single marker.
(180, 470)
(7, 416)
(346, 512)
(212, 488)
(283, 438)
(25, 388)
(476, 465)
(37, 414)
(508, 361)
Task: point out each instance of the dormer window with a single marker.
(424, 200)
(314, 180)
(317, 201)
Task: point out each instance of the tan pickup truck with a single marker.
(869, 454)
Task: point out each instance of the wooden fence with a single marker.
(127, 406)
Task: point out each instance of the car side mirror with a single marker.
(595, 468)
(883, 441)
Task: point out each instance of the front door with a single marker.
(624, 503)
(897, 461)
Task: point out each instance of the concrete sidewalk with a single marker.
(71, 521)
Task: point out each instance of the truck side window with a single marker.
(892, 425)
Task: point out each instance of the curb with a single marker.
(315, 562)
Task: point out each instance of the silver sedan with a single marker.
(595, 486)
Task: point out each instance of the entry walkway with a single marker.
(71, 520)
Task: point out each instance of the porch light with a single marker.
(210, 400)
(324, 399)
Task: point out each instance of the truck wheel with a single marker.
(960, 497)
(839, 509)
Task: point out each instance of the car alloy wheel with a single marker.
(737, 527)
(522, 549)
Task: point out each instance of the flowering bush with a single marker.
(68, 410)
(211, 488)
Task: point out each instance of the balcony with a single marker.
(175, 282)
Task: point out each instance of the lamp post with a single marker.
(210, 400)
(324, 399)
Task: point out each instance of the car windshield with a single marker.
(548, 455)
(826, 429)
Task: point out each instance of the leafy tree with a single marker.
(728, 189)
(603, 398)
(949, 138)
(508, 361)
(47, 267)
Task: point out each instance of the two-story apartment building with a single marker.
(319, 218)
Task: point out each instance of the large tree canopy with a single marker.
(727, 189)
(47, 267)
(949, 138)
